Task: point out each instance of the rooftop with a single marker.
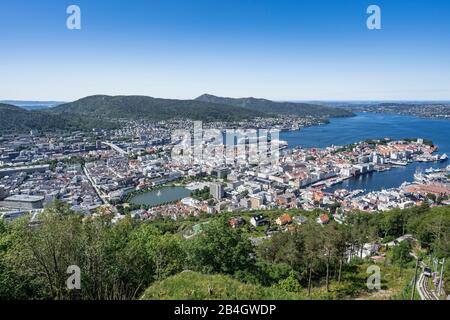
(24, 198)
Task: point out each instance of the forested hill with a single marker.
(16, 119)
(272, 107)
(156, 109)
(13, 118)
(102, 111)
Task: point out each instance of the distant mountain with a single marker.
(16, 119)
(273, 107)
(101, 111)
(142, 107)
(32, 105)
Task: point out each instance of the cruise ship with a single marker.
(399, 162)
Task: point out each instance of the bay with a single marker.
(342, 131)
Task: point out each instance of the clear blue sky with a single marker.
(285, 50)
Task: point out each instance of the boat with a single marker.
(419, 177)
(443, 158)
(399, 163)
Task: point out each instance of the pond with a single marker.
(160, 196)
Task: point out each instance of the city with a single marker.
(225, 159)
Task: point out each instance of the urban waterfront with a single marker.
(342, 131)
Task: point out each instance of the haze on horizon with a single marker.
(279, 50)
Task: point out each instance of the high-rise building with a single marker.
(216, 190)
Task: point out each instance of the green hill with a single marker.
(100, 111)
(13, 118)
(139, 107)
(16, 119)
(272, 107)
(189, 285)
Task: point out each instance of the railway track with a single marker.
(424, 289)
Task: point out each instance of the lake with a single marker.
(160, 196)
(342, 131)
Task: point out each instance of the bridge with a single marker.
(116, 148)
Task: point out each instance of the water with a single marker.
(342, 131)
(160, 196)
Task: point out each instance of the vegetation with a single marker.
(142, 107)
(272, 107)
(101, 111)
(120, 260)
(14, 119)
(201, 194)
(191, 285)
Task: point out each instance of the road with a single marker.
(116, 148)
(97, 190)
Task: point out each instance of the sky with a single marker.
(274, 49)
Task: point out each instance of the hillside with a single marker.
(272, 107)
(13, 118)
(31, 105)
(102, 110)
(16, 119)
(191, 285)
(138, 107)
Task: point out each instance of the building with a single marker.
(256, 202)
(27, 169)
(11, 215)
(216, 190)
(283, 219)
(258, 220)
(323, 219)
(236, 222)
(24, 202)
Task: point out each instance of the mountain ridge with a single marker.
(102, 111)
(276, 107)
(156, 109)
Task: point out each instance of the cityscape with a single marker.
(291, 178)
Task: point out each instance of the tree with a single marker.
(288, 248)
(290, 284)
(401, 254)
(221, 249)
(313, 249)
(361, 230)
(335, 244)
(117, 261)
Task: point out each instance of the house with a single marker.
(323, 219)
(258, 220)
(283, 219)
(236, 222)
(300, 220)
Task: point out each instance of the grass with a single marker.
(191, 285)
(394, 283)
